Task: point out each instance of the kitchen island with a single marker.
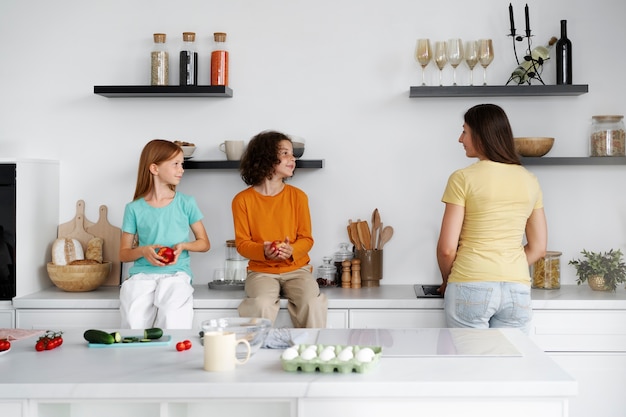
(508, 376)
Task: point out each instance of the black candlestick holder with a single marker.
(528, 69)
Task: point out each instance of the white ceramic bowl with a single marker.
(188, 151)
(252, 329)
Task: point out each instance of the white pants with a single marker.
(157, 300)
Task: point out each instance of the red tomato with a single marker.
(4, 345)
(167, 254)
(180, 346)
(40, 346)
(187, 344)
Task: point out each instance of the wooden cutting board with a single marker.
(66, 228)
(79, 233)
(111, 237)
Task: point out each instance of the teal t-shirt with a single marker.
(164, 226)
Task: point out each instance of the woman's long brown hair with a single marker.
(492, 133)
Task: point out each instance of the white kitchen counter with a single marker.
(73, 378)
(383, 297)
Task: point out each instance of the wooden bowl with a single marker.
(79, 278)
(533, 146)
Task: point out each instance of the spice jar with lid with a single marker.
(327, 273)
(608, 136)
(343, 254)
(219, 60)
(546, 272)
(160, 71)
(236, 266)
(188, 64)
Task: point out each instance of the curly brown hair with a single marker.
(261, 157)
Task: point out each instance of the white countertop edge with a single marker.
(383, 297)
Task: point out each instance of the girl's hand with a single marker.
(278, 250)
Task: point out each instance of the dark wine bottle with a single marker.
(564, 57)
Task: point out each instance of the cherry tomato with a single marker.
(41, 345)
(180, 346)
(4, 345)
(187, 344)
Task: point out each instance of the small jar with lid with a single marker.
(327, 273)
(546, 272)
(343, 254)
(219, 60)
(160, 71)
(188, 64)
(608, 136)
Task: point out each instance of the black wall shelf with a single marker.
(498, 90)
(193, 164)
(114, 91)
(595, 160)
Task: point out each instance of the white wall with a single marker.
(336, 73)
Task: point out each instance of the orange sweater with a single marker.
(260, 218)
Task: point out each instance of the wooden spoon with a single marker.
(364, 234)
(354, 234)
(385, 236)
(375, 228)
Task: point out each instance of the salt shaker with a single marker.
(356, 274)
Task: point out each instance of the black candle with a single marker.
(511, 19)
(527, 21)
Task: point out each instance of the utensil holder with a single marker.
(371, 267)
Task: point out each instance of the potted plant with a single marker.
(603, 271)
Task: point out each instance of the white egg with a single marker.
(309, 354)
(331, 348)
(327, 354)
(365, 355)
(290, 354)
(345, 355)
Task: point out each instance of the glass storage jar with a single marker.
(160, 61)
(546, 272)
(608, 136)
(327, 273)
(235, 265)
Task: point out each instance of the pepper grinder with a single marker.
(356, 273)
(345, 276)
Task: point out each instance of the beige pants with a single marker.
(308, 307)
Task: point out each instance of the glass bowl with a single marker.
(252, 329)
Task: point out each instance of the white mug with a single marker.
(233, 149)
(220, 351)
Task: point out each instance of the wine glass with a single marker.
(485, 56)
(455, 55)
(471, 57)
(423, 55)
(441, 58)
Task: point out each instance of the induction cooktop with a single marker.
(427, 291)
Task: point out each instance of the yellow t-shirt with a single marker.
(498, 199)
(259, 218)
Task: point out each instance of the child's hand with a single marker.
(278, 250)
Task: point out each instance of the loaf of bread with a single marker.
(66, 250)
(94, 250)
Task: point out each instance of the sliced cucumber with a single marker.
(117, 337)
(98, 336)
(153, 333)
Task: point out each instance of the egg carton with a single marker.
(335, 364)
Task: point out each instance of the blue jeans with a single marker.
(482, 305)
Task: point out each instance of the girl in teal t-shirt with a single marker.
(158, 292)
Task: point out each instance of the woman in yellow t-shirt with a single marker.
(491, 206)
(273, 230)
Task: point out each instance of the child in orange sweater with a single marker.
(273, 230)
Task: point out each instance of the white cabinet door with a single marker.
(7, 318)
(579, 330)
(400, 318)
(53, 319)
(601, 381)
